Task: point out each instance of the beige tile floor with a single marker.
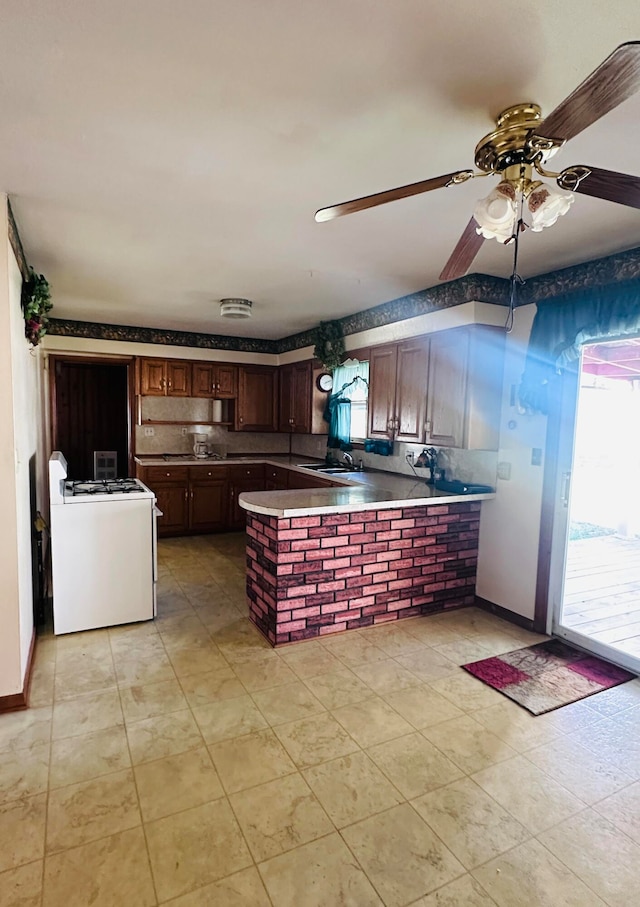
(186, 762)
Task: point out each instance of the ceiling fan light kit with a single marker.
(235, 308)
(522, 142)
(496, 215)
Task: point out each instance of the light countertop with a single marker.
(358, 490)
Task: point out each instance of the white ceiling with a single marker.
(162, 155)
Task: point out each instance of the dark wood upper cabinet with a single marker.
(411, 389)
(203, 383)
(447, 389)
(164, 378)
(382, 390)
(398, 389)
(152, 376)
(465, 388)
(178, 378)
(213, 380)
(295, 398)
(257, 406)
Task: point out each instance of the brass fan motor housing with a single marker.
(515, 141)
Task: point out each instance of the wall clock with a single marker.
(324, 382)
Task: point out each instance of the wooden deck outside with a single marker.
(602, 591)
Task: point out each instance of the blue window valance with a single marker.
(566, 323)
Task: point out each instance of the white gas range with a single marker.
(103, 550)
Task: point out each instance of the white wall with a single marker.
(510, 524)
(20, 418)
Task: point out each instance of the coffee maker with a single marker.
(200, 447)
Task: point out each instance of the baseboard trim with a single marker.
(16, 701)
(525, 622)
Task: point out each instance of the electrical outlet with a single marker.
(409, 458)
(504, 471)
(149, 432)
(184, 430)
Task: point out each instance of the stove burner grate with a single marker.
(101, 486)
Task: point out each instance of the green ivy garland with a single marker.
(329, 348)
(36, 303)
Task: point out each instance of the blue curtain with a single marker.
(564, 324)
(338, 409)
(339, 422)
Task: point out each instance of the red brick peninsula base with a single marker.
(312, 575)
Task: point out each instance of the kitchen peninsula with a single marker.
(380, 548)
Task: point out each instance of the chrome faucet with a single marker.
(348, 459)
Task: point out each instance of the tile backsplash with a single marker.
(466, 465)
(179, 438)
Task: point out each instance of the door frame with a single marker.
(563, 392)
(128, 361)
(549, 491)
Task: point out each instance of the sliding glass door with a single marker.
(595, 563)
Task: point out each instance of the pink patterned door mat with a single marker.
(548, 675)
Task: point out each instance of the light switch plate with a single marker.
(504, 471)
(536, 456)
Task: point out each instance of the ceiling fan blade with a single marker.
(465, 251)
(381, 198)
(614, 187)
(615, 80)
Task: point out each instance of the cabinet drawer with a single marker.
(155, 474)
(203, 473)
(250, 471)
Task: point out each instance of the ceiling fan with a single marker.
(517, 150)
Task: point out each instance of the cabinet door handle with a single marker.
(163, 383)
(240, 419)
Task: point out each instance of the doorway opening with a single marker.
(596, 538)
(91, 410)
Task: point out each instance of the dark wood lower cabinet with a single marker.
(208, 505)
(173, 501)
(238, 516)
(205, 498)
(276, 478)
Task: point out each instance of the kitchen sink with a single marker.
(325, 468)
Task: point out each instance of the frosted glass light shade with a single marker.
(496, 214)
(235, 308)
(546, 204)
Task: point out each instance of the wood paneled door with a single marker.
(90, 411)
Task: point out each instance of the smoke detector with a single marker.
(235, 308)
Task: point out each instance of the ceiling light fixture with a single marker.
(501, 215)
(496, 214)
(235, 308)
